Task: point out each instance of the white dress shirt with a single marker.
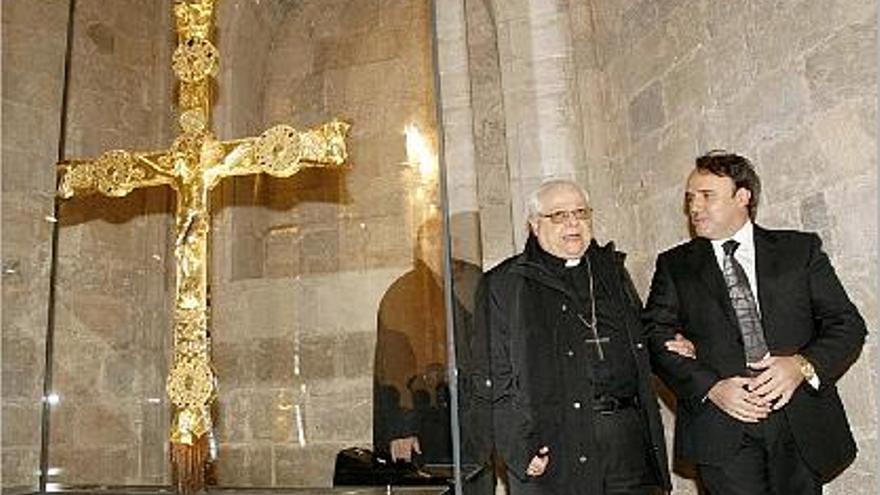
(745, 254)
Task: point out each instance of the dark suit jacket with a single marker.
(804, 309)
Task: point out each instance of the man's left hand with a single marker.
(780, 377)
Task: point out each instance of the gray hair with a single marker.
(533, 203)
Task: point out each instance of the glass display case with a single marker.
(335, 296)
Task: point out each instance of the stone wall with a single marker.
(511, 111)
(111, 316)
(114, 289)
(623, 95)
(792, 85)
(33, 63)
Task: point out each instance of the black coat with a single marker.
(804, 309)
(526, 308)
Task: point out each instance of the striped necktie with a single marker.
(744, 305)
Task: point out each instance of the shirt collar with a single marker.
(745, 236)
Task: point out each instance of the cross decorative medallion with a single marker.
(195, 163)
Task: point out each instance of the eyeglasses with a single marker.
(562, 216)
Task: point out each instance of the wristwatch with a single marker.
(806, 367)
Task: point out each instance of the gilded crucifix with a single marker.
(195, 163)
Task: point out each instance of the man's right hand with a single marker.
(682, 346)
(402, 448)
(732, 397)
(539, 463)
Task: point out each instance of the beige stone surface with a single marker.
(33, 55)
(732, 79)
(110, 290)
(244, 464)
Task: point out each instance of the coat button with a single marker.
(640, 345)
(582, 459)
(569, 353)
(488, 382)
(564, 307)
(576, 405)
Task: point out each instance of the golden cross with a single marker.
(195, 163)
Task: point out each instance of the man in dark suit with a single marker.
(758, 409)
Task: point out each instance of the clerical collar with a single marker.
(556, 263)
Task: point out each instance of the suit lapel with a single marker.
(705, 263)
(765, 270)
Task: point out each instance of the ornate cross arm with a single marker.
(282, 151)
(115, 173)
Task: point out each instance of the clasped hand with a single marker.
(752, 399)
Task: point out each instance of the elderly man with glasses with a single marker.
(570, 378)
